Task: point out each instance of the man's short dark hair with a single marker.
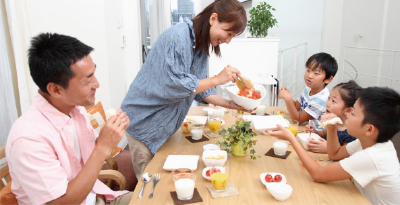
(381, 108)
(325, 61)
(50, 57)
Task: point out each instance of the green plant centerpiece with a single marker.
(261, 20)
(238, 140)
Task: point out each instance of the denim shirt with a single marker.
(162, 92)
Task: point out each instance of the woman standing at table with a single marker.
(175, 73)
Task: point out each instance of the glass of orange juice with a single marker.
(214, 123)
(293, 126)
(220, 176)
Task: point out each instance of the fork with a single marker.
(155, 181)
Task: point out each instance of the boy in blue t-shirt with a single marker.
(320, 70)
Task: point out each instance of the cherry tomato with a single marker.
(208, 173)
(268, 178)
(278, 178)
(185, 125)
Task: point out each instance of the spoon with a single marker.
(146, 178)
(243, 82)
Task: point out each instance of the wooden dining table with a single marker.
(244, 173)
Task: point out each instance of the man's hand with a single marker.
(124, 118)
(228, 74)
(113, 131)
(282, 133)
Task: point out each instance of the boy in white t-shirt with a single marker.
(320, 70)
(371, 159)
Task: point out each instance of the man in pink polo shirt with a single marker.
(53, 153)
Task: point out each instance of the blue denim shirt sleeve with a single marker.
(162, 92)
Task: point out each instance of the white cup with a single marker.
(260, 110)
(280, 148)
(184, 186)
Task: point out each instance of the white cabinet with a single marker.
(256, 58)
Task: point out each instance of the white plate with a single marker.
(207, 168)
(181, 161)
(263, 123)
(197, 119)
(262, 177)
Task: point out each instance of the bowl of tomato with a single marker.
(207, 172)
(247, 98)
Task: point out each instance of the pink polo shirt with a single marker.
(40, 153)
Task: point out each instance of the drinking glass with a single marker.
(197, 131)
(214, 124)
(293, 126)
(184, 184)
(260, 110)
(280, 148)
(220, 176)
(239, 113)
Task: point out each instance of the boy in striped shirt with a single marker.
(320, 70)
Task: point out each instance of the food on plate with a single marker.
(278, 178)
(279, 112)
(250, 93)
(268, 178)
(110, 112)
(335, 120)
(212, 170)
(185, 127)
(215, 157)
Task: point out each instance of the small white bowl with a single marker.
(249, 104)
(207, 168)
(214, 162)
(280, 191)
(211, 147)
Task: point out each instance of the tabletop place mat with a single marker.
(208, 134)
(230, 190)
(196, 198)
(204, 138)
(265, 114)
(271, 154)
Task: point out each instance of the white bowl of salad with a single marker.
(250, 99)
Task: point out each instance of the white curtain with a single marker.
(160, 17)
(8, 110)
(19, 23)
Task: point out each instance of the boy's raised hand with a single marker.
(282, 133)
(310, 128)
(284, 94)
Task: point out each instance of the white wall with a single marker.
(369, 24)
(96, 24)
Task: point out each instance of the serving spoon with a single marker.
(243, 82)
(146, 178)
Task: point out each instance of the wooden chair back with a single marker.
(4, 173)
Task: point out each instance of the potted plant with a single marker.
(261, 20)
(238, 139)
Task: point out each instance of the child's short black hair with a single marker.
(381, 108)
(50, 57)
(325, 61)
(348, 92)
